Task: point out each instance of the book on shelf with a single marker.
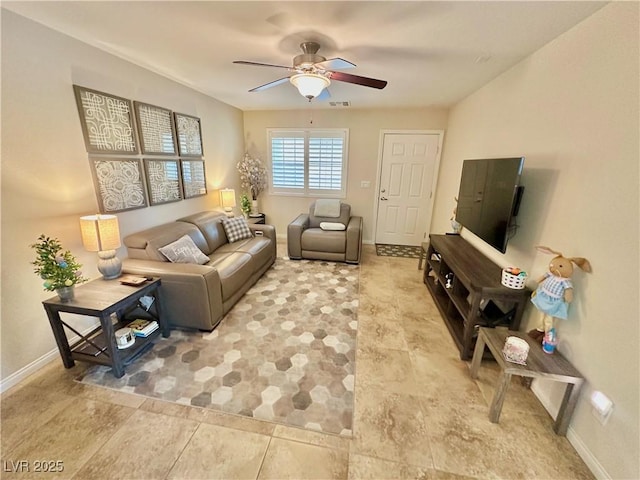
(142, 327)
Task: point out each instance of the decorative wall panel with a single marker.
(193, 178)
(189, 135)
(163, 181)
(155, 127)
(119, 184)
(107, 122)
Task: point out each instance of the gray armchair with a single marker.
(306, 238)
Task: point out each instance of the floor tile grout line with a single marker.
(170, 469)
(264, 457)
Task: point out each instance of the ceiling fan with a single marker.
(312, 73)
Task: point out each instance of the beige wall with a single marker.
(572, 110)
(364, 127)
(46, 181)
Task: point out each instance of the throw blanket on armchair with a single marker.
(327, 208)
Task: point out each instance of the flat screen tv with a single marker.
(489, 198)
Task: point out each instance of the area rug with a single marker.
(285, 353)
(407, 251)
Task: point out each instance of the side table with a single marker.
(259, 220)
(102, 298)
(539, 365)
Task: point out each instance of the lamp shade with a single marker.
(310, 85)
(100, 232)
(228, 198)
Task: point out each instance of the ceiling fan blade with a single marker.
(358, 80)
(335, 64)
(324, 95)
(243, 62)
(270, 84)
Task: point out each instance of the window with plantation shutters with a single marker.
(309, 162)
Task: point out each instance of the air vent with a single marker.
(340, 104)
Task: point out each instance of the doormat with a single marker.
(407, 251)
(284, 353)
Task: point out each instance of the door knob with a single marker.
(384, 198)
(382, 191)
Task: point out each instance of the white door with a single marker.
(406, 181)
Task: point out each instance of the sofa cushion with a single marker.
(317, 240)
(235, 270)
(236, 229)
(145, 244)
(260, 248)
(184, 250)
(210, 224)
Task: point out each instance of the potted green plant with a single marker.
(58, 268)
(245, 205)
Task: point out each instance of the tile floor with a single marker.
(417, 415)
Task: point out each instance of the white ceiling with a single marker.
(432, 53)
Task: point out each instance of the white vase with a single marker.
(254, 206)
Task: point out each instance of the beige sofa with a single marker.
(198, 296)
(307, 239)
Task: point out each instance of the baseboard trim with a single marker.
(574, 439)
(15, 378)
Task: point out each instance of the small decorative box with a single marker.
(516, 350)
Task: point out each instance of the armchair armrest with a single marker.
(192, 293)
(294, 235)
(354, 240)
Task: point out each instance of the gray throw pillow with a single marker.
(236, 229)
(184, 250)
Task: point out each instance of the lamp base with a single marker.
(229, 212)
(109, 265)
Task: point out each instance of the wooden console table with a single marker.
(539, 365)
(466, 287)
(102, 298)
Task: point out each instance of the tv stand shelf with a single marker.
(466, 287)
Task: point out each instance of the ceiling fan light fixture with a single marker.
(310, 85)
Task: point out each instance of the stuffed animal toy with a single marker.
(555, 290)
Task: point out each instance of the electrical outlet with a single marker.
(365, 184)
(602, 406)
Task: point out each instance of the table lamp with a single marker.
(228, 200)
(100, 233)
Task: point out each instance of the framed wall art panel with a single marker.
(189, 135)
(107, 122)
(119, 184)
(155, 127)
(163, 180)
(194, 181)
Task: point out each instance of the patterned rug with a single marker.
(285, 353)
(406, 251)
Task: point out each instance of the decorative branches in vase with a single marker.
(253, 176)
